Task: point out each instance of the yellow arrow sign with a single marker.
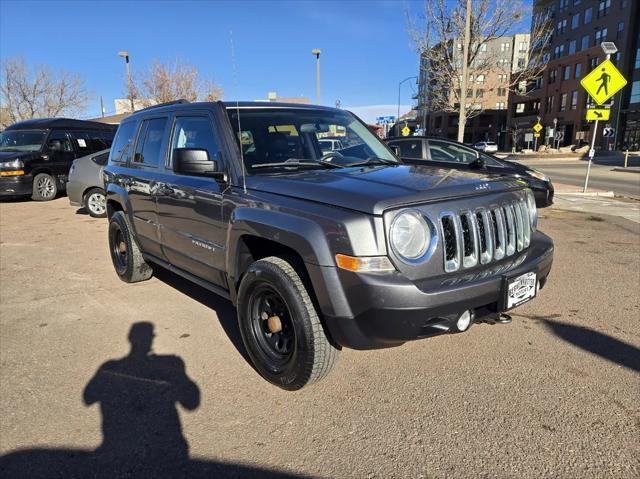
(598, 114)
(603, 82)
(405, 131)
(537, 135)
(537, 127)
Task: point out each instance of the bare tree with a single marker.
(163, 83)
(38, 92)
(438, 34)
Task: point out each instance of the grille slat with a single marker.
(484, 235)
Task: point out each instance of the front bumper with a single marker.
(368, 311)
(16, 185)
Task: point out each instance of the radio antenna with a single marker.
(235, 87)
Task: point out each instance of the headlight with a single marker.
(538, 174)
(533, 210)
(410, 235)
(12, 165)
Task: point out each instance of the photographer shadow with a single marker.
(138, 397)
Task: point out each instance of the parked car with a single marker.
(486, 146)
(36, 155)
(86, 187)
(317, 251)
(445, 153)
(329, 145)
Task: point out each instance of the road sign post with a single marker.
(591, 153)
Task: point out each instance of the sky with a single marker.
(366, 51)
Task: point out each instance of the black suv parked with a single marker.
(317, 250)
(36, 155)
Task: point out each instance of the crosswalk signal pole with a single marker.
(591, 153)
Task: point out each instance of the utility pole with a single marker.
(101, 107)
(462, 116)
(125, 55)
(317, 53)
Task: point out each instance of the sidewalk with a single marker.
(573, 190)
(627, 209)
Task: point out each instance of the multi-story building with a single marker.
(487, 91)
(579, 27)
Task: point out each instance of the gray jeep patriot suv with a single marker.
(316, 249)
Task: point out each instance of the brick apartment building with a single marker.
(488, 91)
(579, 27)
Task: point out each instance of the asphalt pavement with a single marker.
(553, 394)
(602, 176)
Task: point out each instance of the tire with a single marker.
(45, 187)
(95, 202)
(127, 259)
(300, 353)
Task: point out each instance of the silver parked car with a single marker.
(85, 187)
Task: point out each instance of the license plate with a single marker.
(520, 290)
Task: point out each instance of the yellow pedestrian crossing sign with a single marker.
(602, 114)
(537, 127)
(405, 131)
(603, 82)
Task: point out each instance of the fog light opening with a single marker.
(464, 321)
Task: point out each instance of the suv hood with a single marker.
(16, 155)
(376, 189)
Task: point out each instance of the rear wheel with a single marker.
(280, 326)
(45, 187)
(125, 254)
(95, 201)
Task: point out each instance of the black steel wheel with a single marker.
(125, 254)
(280, 326)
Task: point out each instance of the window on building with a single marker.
(519, 107)
(577, 71)
(603, 8)
(575, 21)
(561, 27)
(483, 47)
(539, 82)
(549, 104)
(585, 42)
(522, 47)
(564, 4)
(572, 47)
(479, 93)
(504, 47)
(601, 35)
(521, 62)
(574, 99)
(552, 75)
(566, 75)
(593, 62)
(502, 78)
(620, 30)
(563, 102)
(588, 15)
(500, 105)
(502, 92)
(480, 79)
(635, 92)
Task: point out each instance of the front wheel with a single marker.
(280, 326)
(45, 187)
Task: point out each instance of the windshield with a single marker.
(310, 138)
(22, 140)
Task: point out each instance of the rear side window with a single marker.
(90, 141)
(194, 132)
(121, 149)
(149, 144)
(451, 152)
(409, 148)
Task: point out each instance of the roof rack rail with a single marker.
(175, 102)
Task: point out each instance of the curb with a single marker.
(631, 169)
(602, 194)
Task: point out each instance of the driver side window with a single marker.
(59, 141)
(451, 152)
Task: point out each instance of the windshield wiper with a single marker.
(295, 163)
(374, 160)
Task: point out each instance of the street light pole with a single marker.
(316, 52)
(399, 87)
(125, 55)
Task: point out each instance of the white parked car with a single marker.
(486, 146)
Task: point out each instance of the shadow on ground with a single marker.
(597, 343)
(138, 396)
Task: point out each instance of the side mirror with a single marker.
(194, 162)
(478, 163)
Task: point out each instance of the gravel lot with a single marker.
(554, 394)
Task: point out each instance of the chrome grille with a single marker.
(485, 234)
